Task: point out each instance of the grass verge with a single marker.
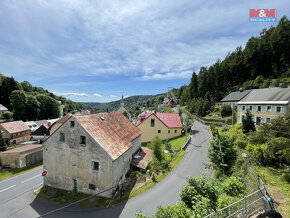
(8, 173)
(277, 186)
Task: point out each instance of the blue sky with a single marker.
(96, 50)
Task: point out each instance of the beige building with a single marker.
(15, 132)
(21, 157)
(163, 125)
(90, 153)
(264, 104)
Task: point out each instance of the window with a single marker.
(268, 120)
(95, 166)
(159, 131)
(168, 131)
(243, 117)
(259, 108)
(62, 137)
(278, 109)
(244, 107)
(268, 108)
(82, 140)
(250, 108)
(72, 124)
(175, 131)
(92, 186)
(152, 122)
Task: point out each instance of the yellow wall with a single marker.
(149, 133)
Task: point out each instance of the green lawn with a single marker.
(5, 174)
(277, 186)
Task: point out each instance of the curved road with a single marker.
(165, 192)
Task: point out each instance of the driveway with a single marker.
(165, 192)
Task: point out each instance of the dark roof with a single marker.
(112, 131)
(15, 126)
(236, 96)
(275, 94)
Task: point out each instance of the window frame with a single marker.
(243, 107)
(279, 109)
(159, 131)
(175, 131)
(259, 108)
(72, 124)
(81, 140)
(269, 108)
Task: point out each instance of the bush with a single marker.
(226, 110)
(233, 186)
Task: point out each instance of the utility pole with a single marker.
(220, 148)
(233, 113)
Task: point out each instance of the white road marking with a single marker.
(21, 174)
(30, 178)
(7, 188)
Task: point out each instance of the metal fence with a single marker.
(245, 207)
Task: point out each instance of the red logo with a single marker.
(263, 15)
(44, 173)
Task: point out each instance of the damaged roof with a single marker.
(112, 131)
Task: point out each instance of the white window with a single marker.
(268, 108)
(278, 109)
(244, 107)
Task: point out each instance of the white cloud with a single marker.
(165, 76)
(97, 95)
(71, 94)
(113, 96)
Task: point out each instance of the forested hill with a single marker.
(265, 58)
(114, 105)
(32, 103)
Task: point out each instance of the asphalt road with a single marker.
(165, 192)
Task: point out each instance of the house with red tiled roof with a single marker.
(90, 153)
(15, 132)
(163, 125)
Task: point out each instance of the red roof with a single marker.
(142, 158)
(171, 120)
(23, 148)
(46, 126)
(15, 126)
(112, 131)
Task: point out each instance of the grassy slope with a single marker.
(278, 188)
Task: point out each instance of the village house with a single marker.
(15, 132)
(234, 97)
(22, 156)
(2, 109)
(90, 153)
(163, 125)
(264, 104)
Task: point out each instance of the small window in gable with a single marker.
(152, 122)
(168, 131)
(61, 137)
(159, 131)
(95, 166)
(72, 124)
(82, 140)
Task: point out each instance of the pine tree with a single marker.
(248, 123)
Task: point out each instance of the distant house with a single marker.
(32, 125)
(170, 102)
(264, 104)
(21, 157)
(2, 109)
(15, 132)
(90, 153)
(234, 97)
(41, 133)
(164, 125)
(58, 123)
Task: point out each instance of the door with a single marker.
(75, 185)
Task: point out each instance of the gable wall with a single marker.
(65, 161)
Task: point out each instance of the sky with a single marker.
(93, 51)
